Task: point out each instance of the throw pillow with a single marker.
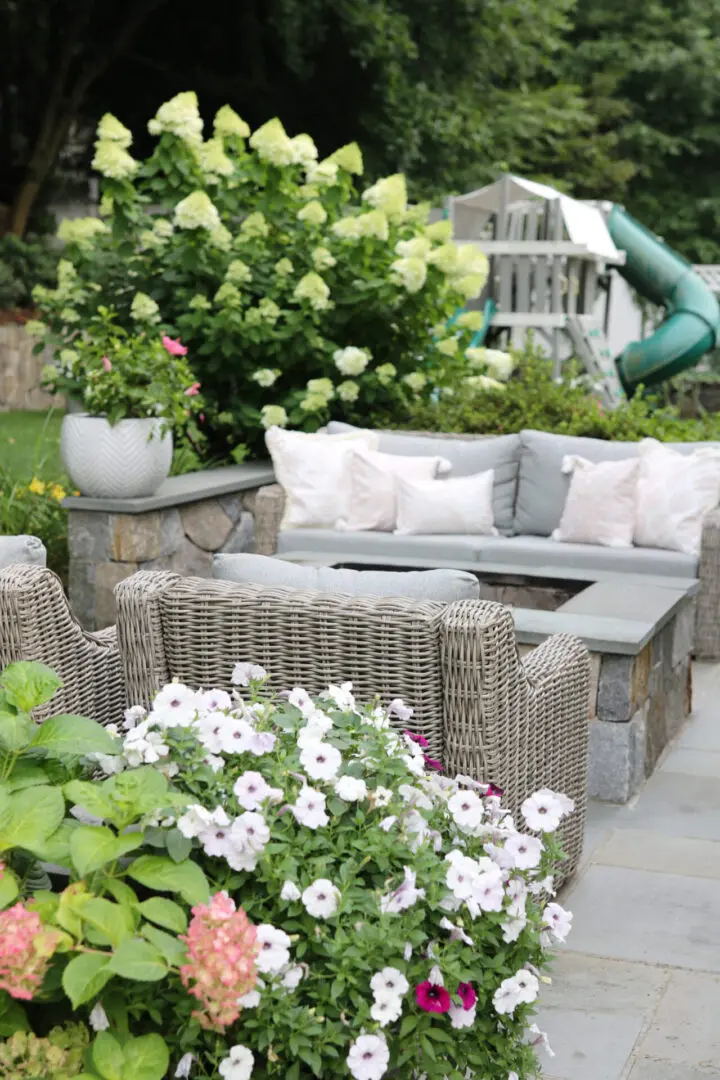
(675, 492)
(461, 505)
(371, 483)
(310, 469)
(443, 585)
(600, 507)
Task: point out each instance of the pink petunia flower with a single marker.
(467, 995)
(431, 997)
(419, 739)
(192, 390)
(174, 346)
(106, 363)
(432, 763)
(492, 789)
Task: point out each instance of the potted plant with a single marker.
(136, 389)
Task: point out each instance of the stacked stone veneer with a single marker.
(106, 547)
(20, 371)
(637, 705)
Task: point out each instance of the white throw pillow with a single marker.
(371, 483)
(675, 492)
(461, 505)
(310, 469)
(601, 502)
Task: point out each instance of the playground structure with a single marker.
(551, 262)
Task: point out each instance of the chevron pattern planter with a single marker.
(125, 461)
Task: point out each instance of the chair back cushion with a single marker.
(22, 549)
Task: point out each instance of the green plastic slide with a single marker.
(692, 325)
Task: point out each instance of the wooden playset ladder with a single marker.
(591, 345)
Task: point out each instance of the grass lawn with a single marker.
(30, 445)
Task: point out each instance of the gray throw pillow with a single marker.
(443, 585)
(22, 549)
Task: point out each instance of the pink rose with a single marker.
(192, 390)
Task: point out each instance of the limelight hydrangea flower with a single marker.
(80, 231)
(69, 315)
(273, 416)
(351, 360)
(35, 328)
(265, 377)
(388, 194)
(272, 144)
(386, 373)
(254, 226)
(199, 303)
(322, 173)
(471, 320)
(412, 273)
(196, 211)
(214, 162)
(349, 157)
(266, 312)
(283, 267)
(418, 213)
(304, 150)
(415, 380)
(347, 228)
(448, 346)
(312, 288)
(440, 230)
(313, 403)
(106, 206)
(111, 130)
(180, 116)
(348, 391)
(373, 224)
(144, 308)
(220, 237)
(322, 258)
(228, 295)
(238, 272)
(113, 161)
(313, 213)
(417, 248)
(483, 382)
(227, 122)
(324, 387)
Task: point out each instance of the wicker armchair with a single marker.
(36, 623)
(484, 713)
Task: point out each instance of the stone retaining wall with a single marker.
(20, 372)
(107, 547)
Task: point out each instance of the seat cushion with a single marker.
(501, 453)
(540, 551)
(343, 545)
(22, 549)
(443, 585)
(542, 486)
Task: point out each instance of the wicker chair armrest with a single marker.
(558, 673)
(707, 604)
(269, 509)
(36, 623)
(140, 637)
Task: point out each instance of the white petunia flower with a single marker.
(460, 1017)
(386, 1010)
(98, 1018)
(517, 895)
(209, 731)
(342, 696)
(250, 832)
(216, 763)
(456, 932)
(488, 892)
(238, 1065)
(235, 735)
(215, 839)
(175, 706)
(251, 789)
(194, 821)
(317, 726)
(261, 742)
(321, 761)
(144, 747)
(407, 952)
(133, 716)
(321, 899)
(467, 810)
(399, 709)
(414, 763)
(244, 674)
(461, 875)
(184, 1066)
(300, 699)
(405, 896)
(541, 1039)
(290, 892)
(387, 823)
(292, 977)
(309, 809)
(381, 797)
(251, 1000)
(513, 928)
(522, 988)
(214, 700)
(369, 1057)
(415, 797)
(351, 789)
(544, 810)
(558, 921)
(525, 850)
(274, 945)
(389, 983)
(546, 885)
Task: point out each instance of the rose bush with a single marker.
(352, 911)
(299, 298)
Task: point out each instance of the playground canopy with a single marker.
(584, 223)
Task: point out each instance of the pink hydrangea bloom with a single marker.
(174, 346)
(25, 951)
(221, 950)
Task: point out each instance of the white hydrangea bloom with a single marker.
(239, 273)
(415, 380)
(312, 213)
(214, 162)
(144, 309)
(180, 116)
(322, 258)
(351, 360)
(265, 377)
(111, 130)
(388, 194)
(113, 161)
(273, 416)
(348, 390)
(196, 211)
(304, 150)
(312, 288)
(272, 144)
(411, 273)
(417, 248)
(227, 122)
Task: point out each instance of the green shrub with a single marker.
(34, 508)
(23, 265)
(534, 399)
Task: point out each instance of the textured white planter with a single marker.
(119, 462)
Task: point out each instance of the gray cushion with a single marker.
(539, 551)
(443, 585)
(467, 456)
(344, 545)
(22, 549)
(542, 487)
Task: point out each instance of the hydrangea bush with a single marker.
(301, 293)
(351, 910)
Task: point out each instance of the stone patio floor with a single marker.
(636, 991)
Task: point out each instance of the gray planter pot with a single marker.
(125, 461)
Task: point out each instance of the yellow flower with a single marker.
(470, 286)
(254, 225)
(483, 382)
(214, 162)
(313, 403)
(37, 487)
(304, 150)
(313, 213)
(35, 328)
(418, 213)
(348, 228)
(80, 231)
(220, 237)
(349, 157)
(144, 308)
(497, 363)
(321, 172)
(283, 267)
(272, 144)
(445, 257)
(227, 122)
(388, 194)
(228, 295)
(58, 493)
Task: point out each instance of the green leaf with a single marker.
(26, 774)
(164, 913)
(74, 736)
(15, 730)
(93, 846)
(172, 949)
(121, 891)
(311, 1058)
(85, 976)
(90, 796)
(409, 1024)
(137, 959)
(29, 684)
(146, 1058)
(30, 817)
(178, 846)
(56, 848)
(159, 872)
(115, 922)
(8, 888)
(293, 1073)
(108, 1057)
(12, 1016)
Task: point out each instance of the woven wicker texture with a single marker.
(36, 623)
(482, 712)
(707, 604)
